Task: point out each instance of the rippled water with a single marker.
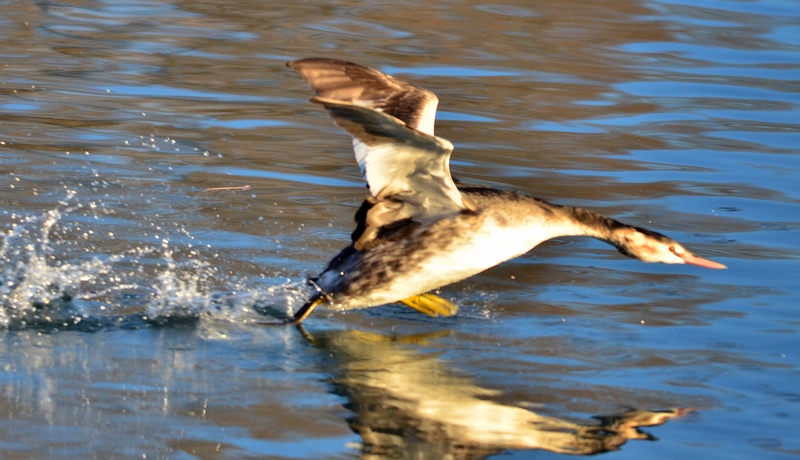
(165, 186)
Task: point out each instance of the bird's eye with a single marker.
(672, 250)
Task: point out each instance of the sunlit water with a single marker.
(165, 186)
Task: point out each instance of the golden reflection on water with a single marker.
(412, 404)
(184, 393)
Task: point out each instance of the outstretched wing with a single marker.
(408, 171)
(407, 168)
(348, 82)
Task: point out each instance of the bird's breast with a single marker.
(480, 245)
(436, 255)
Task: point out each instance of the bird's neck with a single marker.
(581, 222)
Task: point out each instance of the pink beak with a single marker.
(692, 259)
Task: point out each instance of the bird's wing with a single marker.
(408, 171)
(348, 82)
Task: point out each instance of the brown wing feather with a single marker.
(350, 82)
(391, 121)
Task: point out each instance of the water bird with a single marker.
(418, 229)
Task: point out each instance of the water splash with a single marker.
(181, 290)
(32, 276)
(51, 282)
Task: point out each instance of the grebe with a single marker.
(418, 230)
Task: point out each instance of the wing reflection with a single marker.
(409, 404)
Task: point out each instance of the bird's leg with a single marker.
(301, 314)
(431, 305)
(306, 310)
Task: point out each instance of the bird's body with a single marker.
(420, 256)
(418, 230)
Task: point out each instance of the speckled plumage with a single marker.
(418, 256)
(418, 230)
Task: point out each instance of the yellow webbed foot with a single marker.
(431, 305)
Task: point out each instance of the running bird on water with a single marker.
(419, 230)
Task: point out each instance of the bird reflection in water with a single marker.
(409, 404)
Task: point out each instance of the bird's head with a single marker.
(650, 246)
